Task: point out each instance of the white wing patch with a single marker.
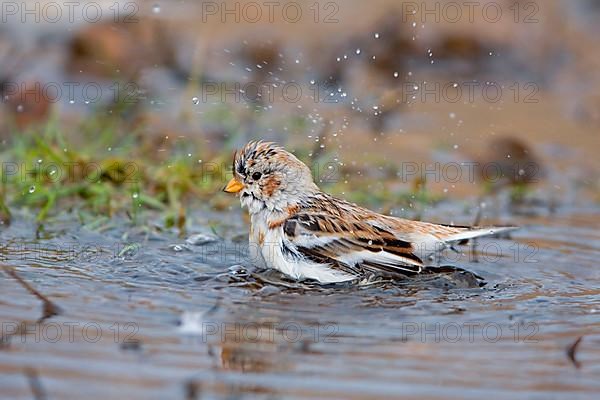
(381, 258)
(298, 267)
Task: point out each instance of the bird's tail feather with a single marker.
(472, 233)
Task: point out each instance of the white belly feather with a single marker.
(266, 250)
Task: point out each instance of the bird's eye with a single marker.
(256, 176)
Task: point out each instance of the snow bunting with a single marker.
(307, 234)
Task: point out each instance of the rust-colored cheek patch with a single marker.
(271, 184)
(261, 238)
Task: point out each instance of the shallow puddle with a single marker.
(145, 315)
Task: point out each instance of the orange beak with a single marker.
(234, 186)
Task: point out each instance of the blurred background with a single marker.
(373, 95)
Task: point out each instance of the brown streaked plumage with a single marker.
(308, 234)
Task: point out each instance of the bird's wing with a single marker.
(352, 243)
(418, 231)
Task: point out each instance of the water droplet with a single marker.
(39, 161)
(195, 100)
(396, 74)
(135, 195)
(156, 9)
(377, 36)
(71, 101)
(357, 51)
(312, 81)
(31, 189)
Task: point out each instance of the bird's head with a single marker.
(265, 176)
